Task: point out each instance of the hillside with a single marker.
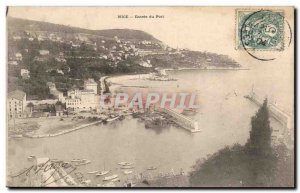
(41, 52)
(16, 24)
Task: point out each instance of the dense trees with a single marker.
(259, 142)
(261, 157)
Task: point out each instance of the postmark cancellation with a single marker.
(261, 30)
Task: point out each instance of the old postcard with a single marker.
(150, 97)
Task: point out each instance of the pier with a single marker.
(185, 122)
(275, 112)
(62, 132)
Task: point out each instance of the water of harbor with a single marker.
(224, 118)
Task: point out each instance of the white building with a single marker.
(25, 73)
(44, 52)
(17, 38)
(19, 56)
(86, 99)
(16, 103)
(82, 100)
(13, 62)
(59, 71)
(42, 38)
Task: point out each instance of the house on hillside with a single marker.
(44, 52)
(19, 56)
(13, 63)
(42, 38)
(15, 38)
(25, 73)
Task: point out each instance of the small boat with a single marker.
(125, 164)
(83, 163)
(116, 180)
(31, 157)
(127, 172)
(93, 172)
(55, 160)
(76, 160)
(126, 167)
(110, 177)
(102, 173)
(152, 168)
(67, 163)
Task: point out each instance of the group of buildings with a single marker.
(113, 50)
(85, 99)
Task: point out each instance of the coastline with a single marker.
(116, 79)
(215, 68)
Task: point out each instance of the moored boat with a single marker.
(83, 163)
(126, 172)
(31, 157)
(76, 160)
(125, 164)
(93, 172)
(152, 168)
(127, 167)
(116, 180)
(102, 173)
(110, 177)
(55, 160)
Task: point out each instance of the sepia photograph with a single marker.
(150, 97)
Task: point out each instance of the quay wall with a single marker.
(185, 122)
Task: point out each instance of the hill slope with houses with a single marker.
(41, 52)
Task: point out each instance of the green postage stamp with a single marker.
(260, 30)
